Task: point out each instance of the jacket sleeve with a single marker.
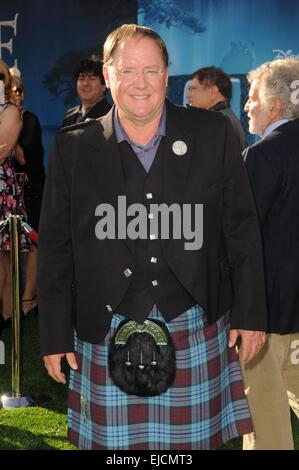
(243, 243)
(264, 180)
(55, 260)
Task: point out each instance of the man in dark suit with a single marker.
(98, 264)
(91, 87)
(272, 378)
(211, 89)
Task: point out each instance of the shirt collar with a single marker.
(121, 134)
(274, 126)
(82, 111)
(219, 106)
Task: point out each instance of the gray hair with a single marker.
(274, 80)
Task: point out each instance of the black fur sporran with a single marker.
(140, 366)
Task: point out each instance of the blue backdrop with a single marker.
(49, 37)
(236, 35)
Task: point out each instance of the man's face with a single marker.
(258, 113)
(200, 95)
(138, 80)
(90, 89)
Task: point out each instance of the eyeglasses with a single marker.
(130, 74)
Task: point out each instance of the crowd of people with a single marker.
(229, 308)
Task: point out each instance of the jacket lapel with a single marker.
(106, 161)
(178, 157)
(106, 165)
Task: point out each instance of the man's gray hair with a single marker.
(274, 80)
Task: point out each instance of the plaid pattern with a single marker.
(204, 408)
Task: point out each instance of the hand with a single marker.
(252, 343)
(53, 365)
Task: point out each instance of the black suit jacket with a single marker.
(99, 109)
(273, 168)
(79, 275)
(226, 110)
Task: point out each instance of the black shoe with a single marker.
(4, 323)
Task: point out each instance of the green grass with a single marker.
(33, 429)
(44, 427)
(41, 427)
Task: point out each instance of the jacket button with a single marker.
(128, 272)
(155, 283)
(149, 196)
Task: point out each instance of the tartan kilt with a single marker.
(204, 407)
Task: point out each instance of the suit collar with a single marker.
(275, 125)
(73, 111)
(289, 126)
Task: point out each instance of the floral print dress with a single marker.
(11, 200)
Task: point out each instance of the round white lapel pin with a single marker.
(179, 148)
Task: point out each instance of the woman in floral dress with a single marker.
(11, 200)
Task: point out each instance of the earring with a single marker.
(154, 362)
(141, 366)
(128, 362)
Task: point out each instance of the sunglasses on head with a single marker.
(17, 91)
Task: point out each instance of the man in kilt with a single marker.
(204, 283)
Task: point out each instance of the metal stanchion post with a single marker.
(16, 400)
